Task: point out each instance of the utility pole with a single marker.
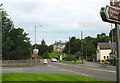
(117, 26)
(82, 44)
(112, 45)
(35, 34)
(69, 45)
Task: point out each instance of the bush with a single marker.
(56, 55)
(77, 54)
(90, 58)
(70, 58)
(45, 55)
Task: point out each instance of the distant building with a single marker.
(35, 54)
(59, 46)
(105, 50)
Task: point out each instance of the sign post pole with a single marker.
(118, 53)
(111, 14)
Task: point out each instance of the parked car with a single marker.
(53, 60)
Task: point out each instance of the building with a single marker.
(105, 50)
(59, 46)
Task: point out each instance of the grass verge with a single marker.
(55, 55)
(44, 77)
(47, 77)
(71, 62)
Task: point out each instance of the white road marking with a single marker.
(88, 68)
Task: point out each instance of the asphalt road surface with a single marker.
(94, 70)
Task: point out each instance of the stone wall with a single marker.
(19, 63)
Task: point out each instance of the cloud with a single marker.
(60, 18)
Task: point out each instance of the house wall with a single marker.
(58, 48)
(104, 54)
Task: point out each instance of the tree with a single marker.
(45, 55)
(15, 43)
(89, 47)
(78, 54)
(42, 48)
(50, 48)
(7, 25)
(114, 34)
(74, 46)
(103, 38)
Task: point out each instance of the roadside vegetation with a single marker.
(71, 62)
(56, 55)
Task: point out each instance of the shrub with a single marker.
(45, 55)
(70, 58)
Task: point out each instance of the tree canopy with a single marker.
(15, 43)
(89, 45)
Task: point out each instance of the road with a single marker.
(89, 69)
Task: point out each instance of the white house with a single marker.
(104, 50)
(59, 46)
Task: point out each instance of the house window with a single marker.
(107, 57)
(104, 57)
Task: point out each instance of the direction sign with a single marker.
(115, 3)
(113, 13)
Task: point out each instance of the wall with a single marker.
(19, 63)
(105, 53)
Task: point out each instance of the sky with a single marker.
(57, 19)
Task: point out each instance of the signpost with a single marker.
(115, 3)
(111, 14)
(118, 53)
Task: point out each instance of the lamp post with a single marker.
(36, 50)
(35, 34)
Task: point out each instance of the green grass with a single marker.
(55, 55)
(0, 77)
(45, 77)
(72, 62)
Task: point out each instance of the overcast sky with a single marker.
(59, 18)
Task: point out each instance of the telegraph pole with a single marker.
(112, 45)
(82, 44)
(69, 45)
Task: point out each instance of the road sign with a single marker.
(104, 17)
(113, 13)
(115, 3)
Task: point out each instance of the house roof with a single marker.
(107, 45)
(60, 43)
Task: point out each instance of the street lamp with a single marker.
(35, 34)
(35, 51)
